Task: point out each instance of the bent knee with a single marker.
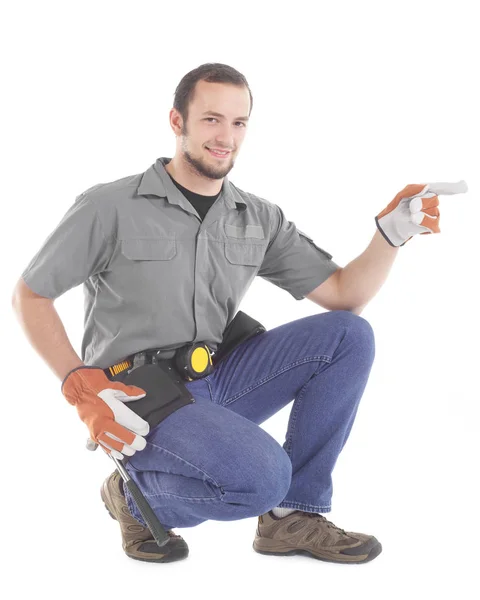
(357, 325)
(358, 332)
(265, 482)
(273, 486)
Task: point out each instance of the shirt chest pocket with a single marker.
(245, 245)
(148, 249)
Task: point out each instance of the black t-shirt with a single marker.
(200, 203)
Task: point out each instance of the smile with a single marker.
(219, 153)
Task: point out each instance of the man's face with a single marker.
(217, 120)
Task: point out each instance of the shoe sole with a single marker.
(272, 547)
(173, 555)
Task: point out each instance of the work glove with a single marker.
(415, 210)
(101, 406)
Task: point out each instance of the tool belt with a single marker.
(164, 379)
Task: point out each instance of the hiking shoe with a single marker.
(311, 534)
(137, 540)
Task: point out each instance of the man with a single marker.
(166, 257)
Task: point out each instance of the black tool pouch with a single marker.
(165, 392)
(241, 328)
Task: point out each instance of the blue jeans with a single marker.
(211, 460)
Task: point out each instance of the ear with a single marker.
(176, 121)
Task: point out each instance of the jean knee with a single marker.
(273, 482)
(358, 329)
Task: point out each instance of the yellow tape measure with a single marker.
(194, 361)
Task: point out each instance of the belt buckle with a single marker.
(139, 359)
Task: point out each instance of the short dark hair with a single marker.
(211, 72)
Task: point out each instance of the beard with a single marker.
(201, 166)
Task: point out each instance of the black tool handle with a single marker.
(156, 528)
(150, 518)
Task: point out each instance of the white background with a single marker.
(352, 101)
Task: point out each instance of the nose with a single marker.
(225, 137)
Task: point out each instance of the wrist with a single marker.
(72, 381)
(391, 231)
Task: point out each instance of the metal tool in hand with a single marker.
(150, 518)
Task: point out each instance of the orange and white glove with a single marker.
(101, 406)
(415, 210)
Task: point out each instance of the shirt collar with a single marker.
(157, 181)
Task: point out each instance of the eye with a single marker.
(214, 119)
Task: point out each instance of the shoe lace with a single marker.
(171, 534)
(321, 519)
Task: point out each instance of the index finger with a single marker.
(448, 188)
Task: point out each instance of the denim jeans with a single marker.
(212, 460)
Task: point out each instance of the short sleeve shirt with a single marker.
(155, 275)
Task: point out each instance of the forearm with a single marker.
(363, 277)
(46, 333)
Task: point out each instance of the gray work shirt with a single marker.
(155, 275)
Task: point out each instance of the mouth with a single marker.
(218, 153)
